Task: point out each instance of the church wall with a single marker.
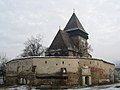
(17, 69)
(19, 65)
(77, 40)
(100, 70)
(52, 65)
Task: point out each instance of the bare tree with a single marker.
(85, 49)
(3, 60)
(33, 47)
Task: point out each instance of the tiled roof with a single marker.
(62, 40)
(73, 24)
(67, 40)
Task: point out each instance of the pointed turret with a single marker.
(74, 23)
(75, 27)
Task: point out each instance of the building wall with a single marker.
(18, 69)
(29, 68)
(101, 71)
(53, 65)
(19, 65)
(78, 40)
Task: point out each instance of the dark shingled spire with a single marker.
(61, 41)
(74, 24)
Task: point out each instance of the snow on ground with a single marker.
(103, 87)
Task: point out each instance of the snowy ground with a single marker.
(103, 87)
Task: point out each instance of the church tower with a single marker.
(72, 41)
(77, 33)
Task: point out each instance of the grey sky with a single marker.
(19, 19)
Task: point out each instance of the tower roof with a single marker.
(61, 41)
(74, 24)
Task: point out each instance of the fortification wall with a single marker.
(41, 70)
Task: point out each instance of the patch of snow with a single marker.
(103, 87)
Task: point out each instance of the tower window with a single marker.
(62, 62)
(45, 62)
(90, 62)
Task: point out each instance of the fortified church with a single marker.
(72, 41)
(67, 62)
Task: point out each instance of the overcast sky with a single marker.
(19, 19)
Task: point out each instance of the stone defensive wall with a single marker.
(59, 70)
